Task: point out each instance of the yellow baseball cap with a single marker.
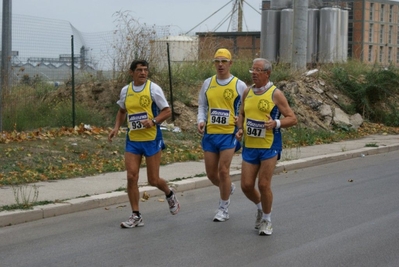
(223, 52)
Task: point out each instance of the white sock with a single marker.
(267, 217)
(224, 204)
(259, 206)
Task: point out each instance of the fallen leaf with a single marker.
(146, 196)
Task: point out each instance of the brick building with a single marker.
(374, 31)
(242, 44)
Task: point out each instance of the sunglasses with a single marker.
(218, 61)
(256, 70)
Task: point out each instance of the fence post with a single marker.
(5, 54)
(170, 83)
(73, 83)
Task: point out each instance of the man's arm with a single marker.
(120, 117)
(241, 116)
(289, 116)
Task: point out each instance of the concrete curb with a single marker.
(324, 159)
(8, 218)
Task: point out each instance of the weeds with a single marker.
(184, 178)
(371, 145)
(371, 89)
(25, 195)
(121, 189)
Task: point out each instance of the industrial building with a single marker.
(337, 30)
(374, 31)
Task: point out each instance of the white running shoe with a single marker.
(259, 215)
(233, 188)
(221, 216)
(133, 221)
(265, 228)
(174, 205)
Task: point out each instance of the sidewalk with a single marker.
(80, 194)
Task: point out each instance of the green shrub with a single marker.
(372, 90)
(281, 73)
(37, 114)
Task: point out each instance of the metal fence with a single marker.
(41, 50)
(42, 47)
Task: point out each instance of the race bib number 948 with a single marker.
(220, 116)
(256, 128)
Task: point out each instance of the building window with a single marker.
(370, 56)
(371, 33)
(382, 13)
(349, 50)
(390, 34)
(371, 11)
(382, 34)
(390, 13)
(350, 32)
(350, 8)
(381, 53)
(389, 54)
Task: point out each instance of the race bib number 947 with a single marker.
(134, 120)
(256, 128)
(220, 116)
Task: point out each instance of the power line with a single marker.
(208, 17)
(237, 7)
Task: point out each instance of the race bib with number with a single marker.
(256, 128)
(219, 116)
(134, 120)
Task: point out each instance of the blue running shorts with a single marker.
(218, 142)
(146, 148)
(256, 155)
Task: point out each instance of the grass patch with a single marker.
(63, 154)
(371, 145)
(184, 178)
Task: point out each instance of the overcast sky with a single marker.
(97, 15)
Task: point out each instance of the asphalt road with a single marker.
(339, 214)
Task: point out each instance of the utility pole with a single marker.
(240, 7)
(5, 54)
(237, 15)
(300, 34)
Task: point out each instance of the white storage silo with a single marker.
(339, 52)
(344, 34)
(286, 35)
(270, 33)
(181, 49)
(313, 35)
(328, 34)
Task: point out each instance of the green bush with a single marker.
(372, 90)
(33, 115)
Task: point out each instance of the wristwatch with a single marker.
(154, 121)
